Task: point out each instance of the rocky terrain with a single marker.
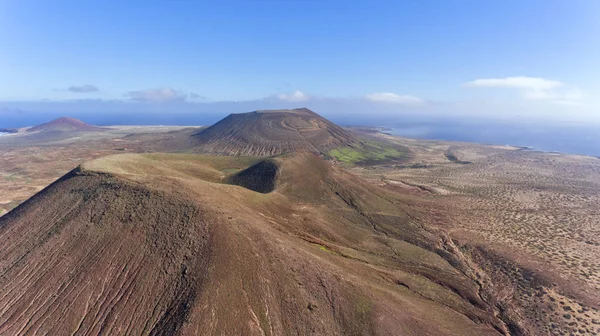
(529, 219)
(364, 234)
(31, 161)
(265, 133)
(160, 244)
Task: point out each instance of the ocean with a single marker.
(571, 138)
(565, 138)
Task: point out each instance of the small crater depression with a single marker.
(259, 177)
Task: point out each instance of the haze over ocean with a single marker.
(572, 138)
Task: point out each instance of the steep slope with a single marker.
(159, 245)
(265, 133)
(65, 125)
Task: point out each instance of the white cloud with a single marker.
(531, 83)
(156, 95)
(573, 94)
(296, 96)
(539, 94)
(388, 97)
(532, 88)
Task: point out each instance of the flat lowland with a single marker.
(530, 220)
(283, 246)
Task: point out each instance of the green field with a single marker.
(368, 152)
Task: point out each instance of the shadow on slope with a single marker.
(259, 177)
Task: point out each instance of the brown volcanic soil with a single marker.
(157, 245)
(29, 162)
(530, 220)
(65, 125)
(266, 133)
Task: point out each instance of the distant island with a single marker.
(8, 130)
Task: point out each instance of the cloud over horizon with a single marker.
(165, 94)
(517, 82)
(296, 96)
(389, 97)
(532, 88)
(83, 88)
(195, 96)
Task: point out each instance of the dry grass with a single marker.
(538, 210)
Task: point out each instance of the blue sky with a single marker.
(525, 58)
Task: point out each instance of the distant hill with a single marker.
(65, 125)
(9, 130)
(272, 132)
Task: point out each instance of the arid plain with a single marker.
(531, 218)
(483, 239)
